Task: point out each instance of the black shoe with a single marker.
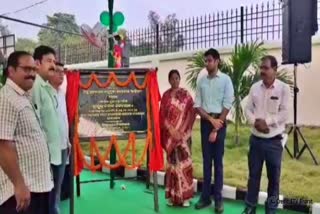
(202, 204)
(249, 210)
(218, 207)
(269, 211)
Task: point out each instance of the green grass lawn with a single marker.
(299, 178)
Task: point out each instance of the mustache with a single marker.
(30, 77)
(262, 74)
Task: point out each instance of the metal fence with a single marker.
(7, 46)
(81, 53)
(262, 22)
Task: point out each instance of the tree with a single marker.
(163, 36)
(62, 21)
(242, 67)
(72, 40)
(168, 36)
(24, 44)
(4, 30)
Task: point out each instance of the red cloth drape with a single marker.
(156, 159)
(72, 95)
(72, 100)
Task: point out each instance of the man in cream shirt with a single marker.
(56, 81)
(267, 112)
(25, 174)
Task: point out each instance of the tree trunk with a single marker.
(237, 136)
(237, 120)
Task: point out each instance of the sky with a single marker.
(88, 11)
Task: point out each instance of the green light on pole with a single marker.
(118, 20)
(105, 18)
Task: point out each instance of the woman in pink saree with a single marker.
(177, 117)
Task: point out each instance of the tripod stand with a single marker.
(295, 129)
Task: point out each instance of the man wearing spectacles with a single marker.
(267, 112)
(56, 81)
(25, 174)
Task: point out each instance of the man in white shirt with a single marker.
(56, 81)
(267, 112)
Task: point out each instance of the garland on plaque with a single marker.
(113, 78)
(153, 135)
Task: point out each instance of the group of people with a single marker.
(266, 111)
(34, 133)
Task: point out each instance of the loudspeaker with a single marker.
(297, 30)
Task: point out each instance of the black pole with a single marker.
(295, 108)
(113, 159)
(78, 185)
(155, 174)
(241, 24)
(295, 129)
(71, 177)
(59, 53)
(148, 170)
(155, 186)
(157, 39)
(113, 155)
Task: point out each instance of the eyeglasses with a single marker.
(263, 67)
(59, 71)
(27, 69)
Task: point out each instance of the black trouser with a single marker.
(212, 152)
(65, 189)
(269, 150)
(39, 205)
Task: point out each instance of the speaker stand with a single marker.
(295, 130)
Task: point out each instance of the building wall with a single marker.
(308, 76)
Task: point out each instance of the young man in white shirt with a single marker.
(213, 101)
(267, 112)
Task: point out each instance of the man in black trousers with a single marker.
(267, 112)
(214, 99)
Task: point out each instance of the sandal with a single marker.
(169, 203)
(186, 203)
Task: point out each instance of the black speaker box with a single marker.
(315, 26)
(298, 27)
